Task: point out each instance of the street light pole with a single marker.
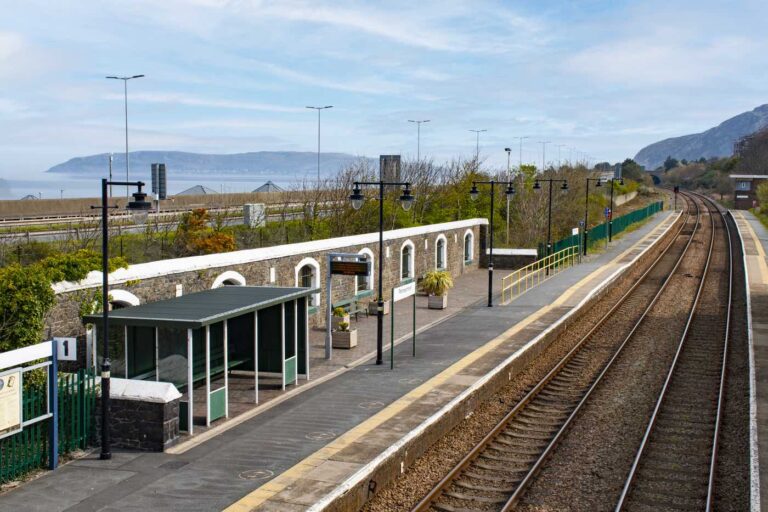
(520, 155)
(563, 188)
(418, 137)
(473, 194)
(140, 208)
(509, 180)
(544, 154)
(406, 201)
(125, 92)
(318, 139)
(586, 210)
(559, 160)
(610, 220)
(477, 146)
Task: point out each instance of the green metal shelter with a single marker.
(191, 338)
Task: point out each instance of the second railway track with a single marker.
(498, 470)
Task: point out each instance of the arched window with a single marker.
(440, 253)
(406, 260)
(119, 299)
(365, 283)
(468, 247)
(229, 278)
(308, 276)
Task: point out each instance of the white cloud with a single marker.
(10, 44)
(196, 101)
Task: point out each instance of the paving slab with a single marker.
(272, 461)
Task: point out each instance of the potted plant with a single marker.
(345, 337)
(436, 284)
(339, 315)
(374, 304)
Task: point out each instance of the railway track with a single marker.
(675, 465)
(495, 473)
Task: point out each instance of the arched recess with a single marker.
(469, 246)
(363, 284)
(307, 274)
(407, 260)
(122, 299)
(441, 252)
(229, 278)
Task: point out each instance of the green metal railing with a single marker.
(600, 232)
(28, 450)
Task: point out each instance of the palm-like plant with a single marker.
(437, 282)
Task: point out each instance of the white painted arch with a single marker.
(230, 277)
(123, 298)
(471, 255)
(369, 254)
(440, 237)
(411, 261)
(312, 262)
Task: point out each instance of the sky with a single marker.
(603, 77)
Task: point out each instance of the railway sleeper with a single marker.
(484, 488)
(471, 497)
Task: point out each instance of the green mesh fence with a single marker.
(600, 232)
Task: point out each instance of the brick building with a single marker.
(745, 189)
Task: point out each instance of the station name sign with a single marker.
(350, 268)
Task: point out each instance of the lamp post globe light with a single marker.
(563, 189)
(598, 183)
(406, 201)
(473, 195)
(139, 209)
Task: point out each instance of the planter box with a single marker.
(372, 308)
(438, 301)
(336, 320)
(345, 339)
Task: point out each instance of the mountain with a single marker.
(290, 164)
(715, 142)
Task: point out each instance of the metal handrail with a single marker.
(533, 274)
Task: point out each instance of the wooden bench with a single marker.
(352, 306)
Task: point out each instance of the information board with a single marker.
(350, 268)
(10, 402)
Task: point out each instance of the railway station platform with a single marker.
(326, 441)
(754, 237)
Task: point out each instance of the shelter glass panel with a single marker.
(302, 338)
(141, 352)
(172, 363)
(270, 352)
(116, 349)
(240, 339)
(290, 347)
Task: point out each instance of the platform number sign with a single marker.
(66, 348)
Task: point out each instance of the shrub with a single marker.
(339, 312)
(437, 282)
(343, 326)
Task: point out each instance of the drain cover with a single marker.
(321, 436)
(256, 474)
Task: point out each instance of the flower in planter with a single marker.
(344, 326)
(339, 312)
(437, 282)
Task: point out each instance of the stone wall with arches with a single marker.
(276, 266)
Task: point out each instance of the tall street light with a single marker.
(559, 160)
(139, 208)
(544, 154)
(610, 219)
(477, 145)
(520, 155)
(509, 180)
(473, 194)
(418, 136)
(318, 139)
(598, 183)
(125, 90)
(406, 201)
(564, 189)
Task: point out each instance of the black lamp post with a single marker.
(563, 188)
(406, 201)
(473, 194)
(599, 183)
(139, 208)
(610, 219)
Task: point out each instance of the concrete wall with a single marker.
(278, 266)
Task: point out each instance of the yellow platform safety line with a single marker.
(262, 494)
(532, 275)
(762, 259)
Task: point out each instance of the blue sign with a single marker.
(607, 212)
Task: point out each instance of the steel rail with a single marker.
(438, 489)
(654, 416)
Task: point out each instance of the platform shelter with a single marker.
(188, 340)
